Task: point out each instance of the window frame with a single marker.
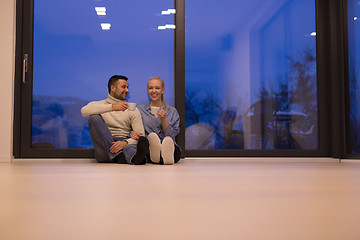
(348, 154)
(332, 76)
(322, 48)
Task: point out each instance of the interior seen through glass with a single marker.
(250, 68)
(251, 75)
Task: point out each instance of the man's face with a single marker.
(120, 90)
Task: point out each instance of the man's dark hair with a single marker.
(114, 79)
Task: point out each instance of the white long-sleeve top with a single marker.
(120, 123)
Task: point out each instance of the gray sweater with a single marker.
(120, 123)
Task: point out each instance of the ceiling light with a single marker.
(167, 26)
(105, 26)
(168, 12)
(171, 10)
(170, 26)
(100, 11)
(165, 13)
(313, 34)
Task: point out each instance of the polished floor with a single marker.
(195, 199)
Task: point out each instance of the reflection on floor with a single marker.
(195, 199)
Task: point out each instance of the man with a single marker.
(110, 123)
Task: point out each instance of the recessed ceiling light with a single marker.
(171, 10)
(168, 12)
(167, 26)
(105, 26)
(100, 11)
(170, 26)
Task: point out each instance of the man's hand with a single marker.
(118, 146)
(135, 135)
(120, 106)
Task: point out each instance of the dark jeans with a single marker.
(102, 141)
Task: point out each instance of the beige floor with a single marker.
(195, 199)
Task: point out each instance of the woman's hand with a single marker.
(135, 135)
(118, 146)
(161, 113)
(163, 118)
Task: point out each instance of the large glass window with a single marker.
(251, 75)
(79, 45)
(354, 76)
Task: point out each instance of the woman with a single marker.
(161, 128)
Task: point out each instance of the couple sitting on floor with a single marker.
(122, 135)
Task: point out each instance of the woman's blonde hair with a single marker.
(162, 85)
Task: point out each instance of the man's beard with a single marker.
(121, 97)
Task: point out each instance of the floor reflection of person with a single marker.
(161, 128)
(110, 122)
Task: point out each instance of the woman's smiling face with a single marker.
(155, 89)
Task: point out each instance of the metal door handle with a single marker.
(25, 67)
